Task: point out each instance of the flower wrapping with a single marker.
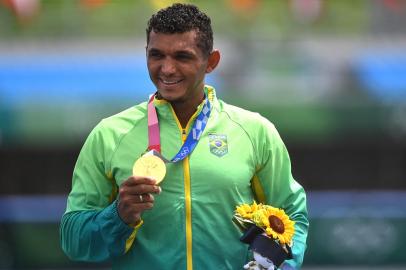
(268, 231)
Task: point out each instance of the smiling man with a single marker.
(216, 156)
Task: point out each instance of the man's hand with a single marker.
(135, 197)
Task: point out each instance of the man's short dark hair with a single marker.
(181, 18)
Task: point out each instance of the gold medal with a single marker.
(150, 166)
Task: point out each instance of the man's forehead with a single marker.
(175, 41)
(187, 34)
(158, 32)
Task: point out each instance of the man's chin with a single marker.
(170, 94)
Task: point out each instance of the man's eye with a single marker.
(184, 56)
(155, 55)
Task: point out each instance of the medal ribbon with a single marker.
(192, 139)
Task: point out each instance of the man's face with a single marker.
(177, 66)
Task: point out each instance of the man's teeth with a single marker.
(170, 82)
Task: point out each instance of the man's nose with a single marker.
(168, 67)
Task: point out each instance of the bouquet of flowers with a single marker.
(268, 231)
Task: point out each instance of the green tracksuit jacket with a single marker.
(240, 157)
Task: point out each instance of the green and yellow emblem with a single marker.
(218, 144)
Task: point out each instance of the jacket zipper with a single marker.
(187, 190)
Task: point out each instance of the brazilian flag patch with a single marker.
(218, 144)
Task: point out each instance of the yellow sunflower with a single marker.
(273, 220)
(246, 210)
(277, 225)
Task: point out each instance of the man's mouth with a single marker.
(170, 82)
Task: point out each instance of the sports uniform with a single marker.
(190, 224)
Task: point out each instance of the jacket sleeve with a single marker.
(94, 235)
(278, 188)
(91, 229)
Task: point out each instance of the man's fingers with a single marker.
(139, 207)
(141, 198)
(130, 213)
(139, 189)
(144, 206)
(137, 180)
(135, 197)
(146, 198)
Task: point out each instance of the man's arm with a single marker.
(277, 187)
(91, 229)
(94, 235)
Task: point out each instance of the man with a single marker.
(224, 156)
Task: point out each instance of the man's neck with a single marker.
(185, 110)
(183, 113)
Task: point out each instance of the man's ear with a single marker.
(213, 60)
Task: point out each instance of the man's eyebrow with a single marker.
(184, 52)
(154, 50)
(180, 52)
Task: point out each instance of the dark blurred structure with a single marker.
(330, 74)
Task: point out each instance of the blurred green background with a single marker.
(330, 74)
